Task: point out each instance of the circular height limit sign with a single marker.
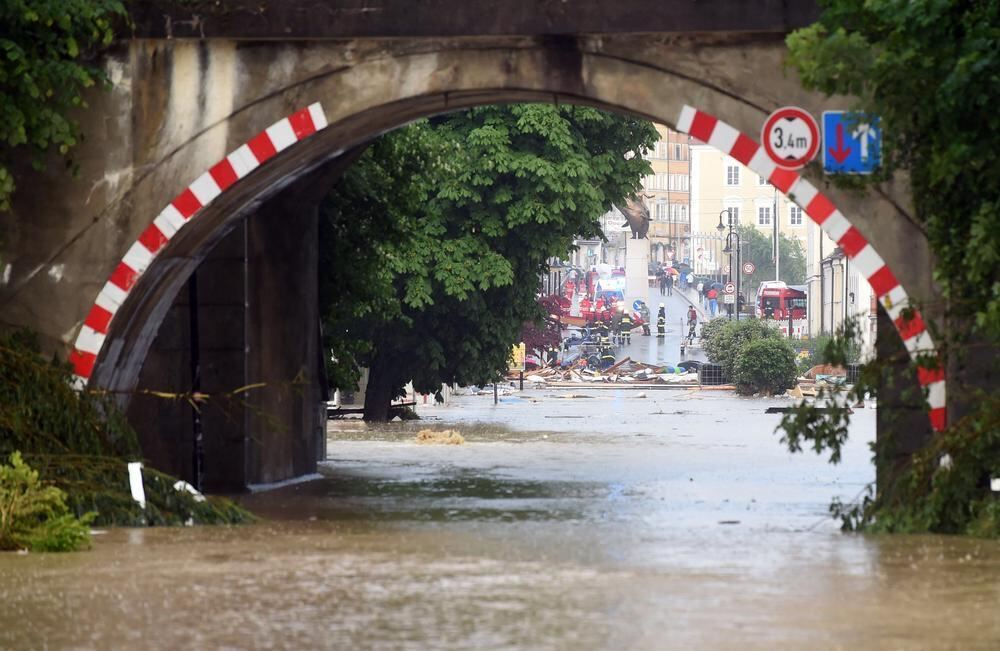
(790, 137)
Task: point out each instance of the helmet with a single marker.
(661, 304)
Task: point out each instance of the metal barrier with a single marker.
(712, 375)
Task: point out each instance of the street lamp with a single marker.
(729, 249)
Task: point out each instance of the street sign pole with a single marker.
(777, 243)
(738, 274)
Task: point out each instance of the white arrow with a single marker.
(863, 133)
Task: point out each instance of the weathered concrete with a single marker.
(323, 19)
(902, 418)
(180, 106)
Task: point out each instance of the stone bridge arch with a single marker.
(336, 97)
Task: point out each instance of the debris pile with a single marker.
(817, 377)
(624, 371)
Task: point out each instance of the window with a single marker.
(661, 149)
(661, 211)
(795, 215)
(661, 181)
(678, 151)
(734, 215)
(732, 175)
(763, 215)
(679, 182)
(761, 180)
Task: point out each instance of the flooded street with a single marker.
(602, 521)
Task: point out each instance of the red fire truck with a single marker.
(776, 300)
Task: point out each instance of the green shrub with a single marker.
(35, 516)
(765, 366)
(709, 328)
(101, 485)
(725, 342)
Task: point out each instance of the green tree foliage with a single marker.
(45, 49)
(931, 71)
(765, 366)
(35, 516)
(758, 248)
(456, 218)
(724, 344)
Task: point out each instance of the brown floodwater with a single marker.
(674, 521)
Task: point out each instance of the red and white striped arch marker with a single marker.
(302, 124)
(220, 177)
(821, 210)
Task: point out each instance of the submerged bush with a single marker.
(80, 444)
(35, 516)
(765, 366)
(101, 485)
(41, 412)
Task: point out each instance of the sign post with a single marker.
(729, 298)
(790, 137)
(852, 142)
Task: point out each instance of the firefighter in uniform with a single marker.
(626, 327)
(661, 322)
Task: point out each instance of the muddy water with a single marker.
(606, 521)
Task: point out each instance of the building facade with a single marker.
(837, 292)
(667, 193)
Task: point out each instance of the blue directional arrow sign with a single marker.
(852, 142)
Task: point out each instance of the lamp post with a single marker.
(735, 277)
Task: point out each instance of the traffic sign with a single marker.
(749, 268)
(791, 137)
(728, 299)
(730, 288)
(852, 142)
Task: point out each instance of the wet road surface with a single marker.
(671, 521)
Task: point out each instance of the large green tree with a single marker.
(435, 239)
(930, 69)
(46, 48)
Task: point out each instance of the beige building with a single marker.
(720, 183)
(721, 186)
(832, 300)
(667, 193)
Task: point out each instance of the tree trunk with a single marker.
(379, 393)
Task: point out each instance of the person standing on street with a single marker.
(670, 284)
(663, 283)
(661, 322)
(713, 300)
(625, 327)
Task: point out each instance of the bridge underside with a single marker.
(180, 106)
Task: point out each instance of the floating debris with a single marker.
(446, 437)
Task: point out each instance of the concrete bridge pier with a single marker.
(256, 355)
